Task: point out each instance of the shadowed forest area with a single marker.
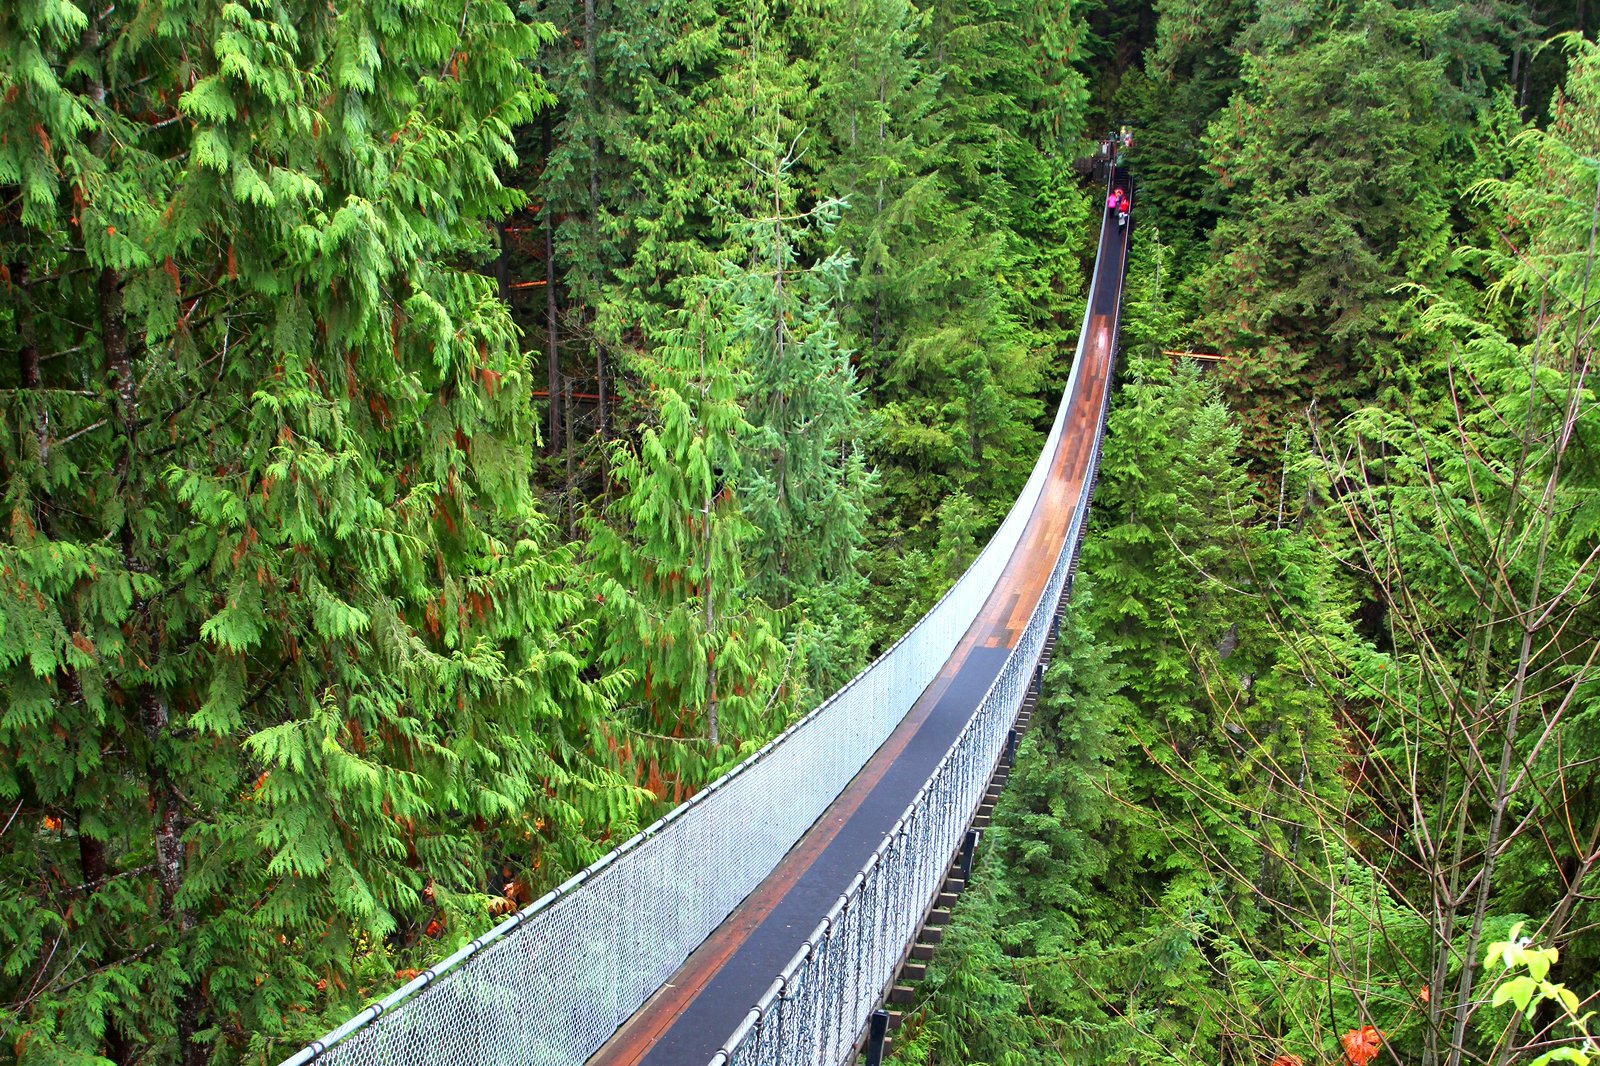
(441, 436)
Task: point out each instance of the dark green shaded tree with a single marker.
(1337, 195)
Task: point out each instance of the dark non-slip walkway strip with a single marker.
(702, 1028)
(688, 1020)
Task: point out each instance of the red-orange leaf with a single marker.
(1361, 1045)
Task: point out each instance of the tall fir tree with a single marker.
(284, 651)
(1301, 289)
(666, 563)
(805, 483)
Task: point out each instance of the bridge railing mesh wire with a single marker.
(816, 1009)
(551, 983)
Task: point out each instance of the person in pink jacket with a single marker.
(1118, 202)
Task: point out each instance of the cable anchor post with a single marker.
(968, 847)
(876, 1029)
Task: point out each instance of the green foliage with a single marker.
(1190, 72)
(943, 144)
(292, 662)
(1146, 808)
(1337, 194)
(1345, 691)
(805, 484)
(1530, 990)
(292, 684)
(666, 563)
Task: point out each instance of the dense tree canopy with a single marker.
(315, 653)
(1320, 737)
(285, 649)
(441, 436)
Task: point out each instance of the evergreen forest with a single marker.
(441, 436)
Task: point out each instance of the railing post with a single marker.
(875, 1033)
(968, 846)
(1011, 748)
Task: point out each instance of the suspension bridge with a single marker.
(767, 920)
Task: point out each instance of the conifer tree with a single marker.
(643, 144)
(687, 125)
(666, 565)
(1317, 238)
(805, 484)
(283, 648)
(1475, 531)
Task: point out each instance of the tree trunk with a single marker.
(877, 268)
(154, 718)
(28, 366)
(572, 503)
(92, 869)
(592, 75)
(552, 325)
(705, 592)
(118, 367)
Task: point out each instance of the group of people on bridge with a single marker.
(1118, 201)
(1114, 150)
(1115, 146)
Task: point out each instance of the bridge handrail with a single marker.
(816, 1008)
(887, 894)
(583, 961)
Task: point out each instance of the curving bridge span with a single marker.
(766, 920)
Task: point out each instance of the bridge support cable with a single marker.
(550, 984)
(815, 1012)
